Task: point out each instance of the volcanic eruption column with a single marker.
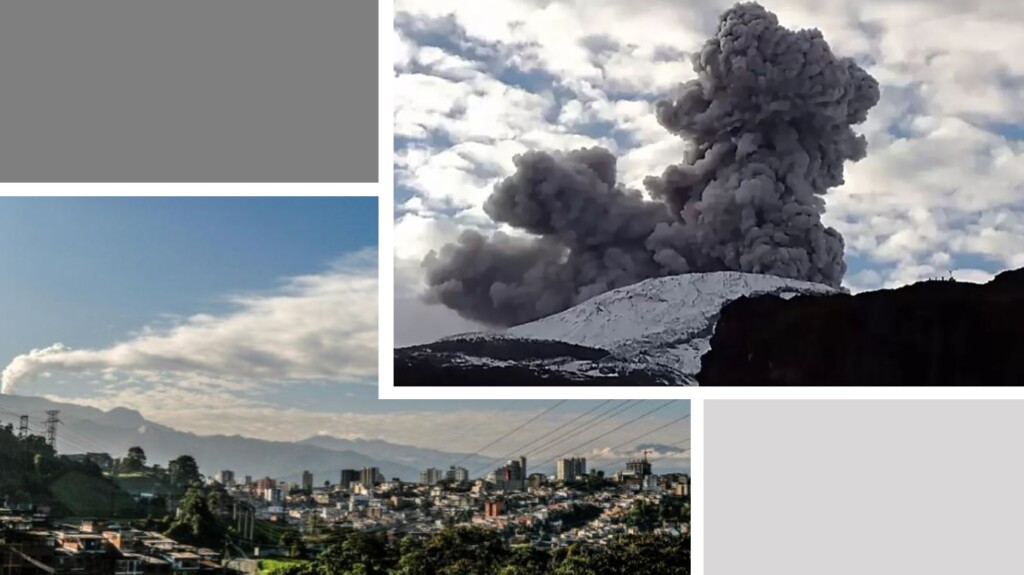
(769, 116)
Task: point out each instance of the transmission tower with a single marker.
(23, 427)
(51, 427)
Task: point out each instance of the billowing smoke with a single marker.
(320, 327)
(769, 116)
(29, 366)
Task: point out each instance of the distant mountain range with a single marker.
(90, 429)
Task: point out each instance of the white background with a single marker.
(953, 486)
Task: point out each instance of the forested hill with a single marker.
(31, 473)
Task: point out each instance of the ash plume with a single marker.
(320, 327)
(770, 117)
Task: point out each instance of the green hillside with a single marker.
(32, 473)
(90, 496)
(142, 482)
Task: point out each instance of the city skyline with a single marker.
(639, 465)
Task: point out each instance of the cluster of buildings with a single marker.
(29, 545)
(526, 507)
(454, 474)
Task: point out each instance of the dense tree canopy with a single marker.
(183, 471)
(135, 460)
(31, 473)
(197, 523)
(479, 551)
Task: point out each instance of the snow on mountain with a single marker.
(663, 323)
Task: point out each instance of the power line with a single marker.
(659, 428)
(531, 420)
(621, 460)
(545, 435)
(588, 425)
(576, 430)
(78, 443)
(609, 432)
(89, 443)
(487, 424)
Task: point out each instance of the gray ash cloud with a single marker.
(770, 117)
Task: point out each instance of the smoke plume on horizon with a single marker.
(318, 327)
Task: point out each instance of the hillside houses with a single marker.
(29, 546)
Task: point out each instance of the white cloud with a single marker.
(314, 327)
(939, 178)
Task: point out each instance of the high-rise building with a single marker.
(459, 474)
(348, 477)
(248, 480)
(571, 468)
(431, 476)
(369, 476)
(511, 476)
(682, 486)
(307, 480)
(272, 495)
(650, 483)
(225, 477)
(265, 483)
(639, 467)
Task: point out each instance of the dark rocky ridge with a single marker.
(941, 333)
(518, 363)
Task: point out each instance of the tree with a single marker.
(298, 569)
(293, 542)
(652, 554)
(135, 461)
(183, 471)
(413, 559)
(527, 560)
(362, 553)
(45, 467)
(458, 550)
(196, 523)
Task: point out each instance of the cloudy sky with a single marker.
(940, 191)
(184, 307)
(250, 316)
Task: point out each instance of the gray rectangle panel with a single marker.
(188, 90)
(857, 487)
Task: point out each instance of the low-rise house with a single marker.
(183, 562)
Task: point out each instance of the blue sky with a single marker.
(86, 271)
(251, 316)
(941, 191)
(149, 302)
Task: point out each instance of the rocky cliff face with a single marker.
(941, 333)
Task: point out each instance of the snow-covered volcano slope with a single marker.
(670, 319)
(661, 325)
